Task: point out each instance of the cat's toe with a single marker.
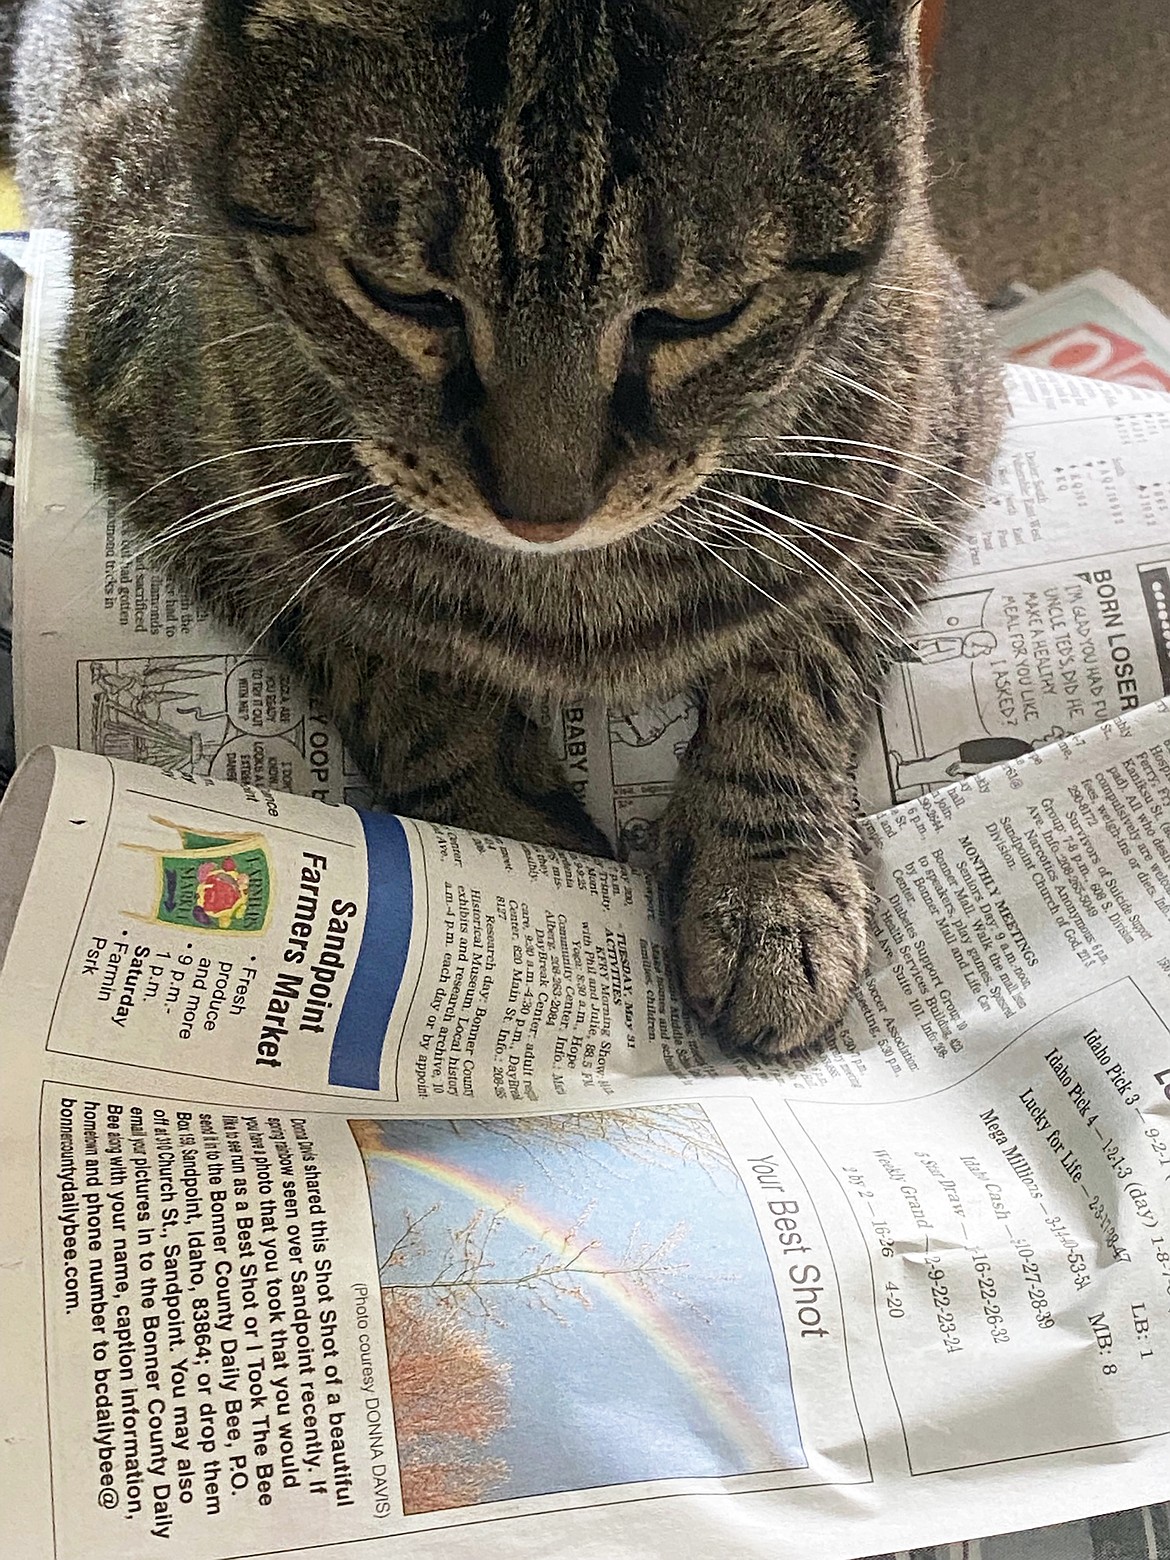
(770, 953)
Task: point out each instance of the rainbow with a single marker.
(722, 1403)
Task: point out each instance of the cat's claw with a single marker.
(771, 952)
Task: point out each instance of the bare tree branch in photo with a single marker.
(658, 1135)
(411, 1242)
(466, 1278)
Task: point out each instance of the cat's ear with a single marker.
(825, 28)
(884, 22)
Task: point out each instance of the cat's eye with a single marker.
(253, 221)
(653, 325)
(434, 309)
(844, 262)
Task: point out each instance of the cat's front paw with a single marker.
(770, 951)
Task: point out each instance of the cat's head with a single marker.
(552, 254)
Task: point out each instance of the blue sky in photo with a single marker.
(611, 1394)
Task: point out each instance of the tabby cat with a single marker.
(471, 351)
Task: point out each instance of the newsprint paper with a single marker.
(1095, 325)
(368, 1190)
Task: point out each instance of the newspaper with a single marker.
(528, 1046)
(1055, 615)
(366, 1179)
(1096, 325)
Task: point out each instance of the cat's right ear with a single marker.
(884, 27)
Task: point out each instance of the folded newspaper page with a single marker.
(1095, 325)
(366, 1179)
(1055, 616)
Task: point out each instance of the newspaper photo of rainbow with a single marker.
(573, 1302)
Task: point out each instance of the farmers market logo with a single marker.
(211, 882)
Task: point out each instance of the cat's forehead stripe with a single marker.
(555, 100)
(558, 100)
(825, 32)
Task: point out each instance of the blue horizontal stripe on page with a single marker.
(355, 1061)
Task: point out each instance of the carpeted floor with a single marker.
(1051, 140)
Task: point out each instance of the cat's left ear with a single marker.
(886, 28)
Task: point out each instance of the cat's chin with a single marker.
(593, 536)
(463, 512)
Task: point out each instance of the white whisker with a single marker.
(897, 602)
(209, 514)
(250, 330)
(855, 384)
(899, 555)
(331, 541)
(870, 460)
(212, 460)
(678, 527)
(368, 538)
(824, 487)
(866, 444)
(917, 292)
(389, 140)
(224, 508)
(851, 597)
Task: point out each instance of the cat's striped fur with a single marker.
(641, 369)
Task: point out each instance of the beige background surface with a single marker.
(1051, 140)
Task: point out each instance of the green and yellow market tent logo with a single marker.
(211, 882)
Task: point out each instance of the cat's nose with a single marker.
(535, 448)
(534, 502)
(537, 499)
(541, 527)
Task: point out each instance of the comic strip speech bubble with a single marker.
(266, 763)
(259, 696)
